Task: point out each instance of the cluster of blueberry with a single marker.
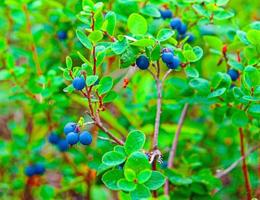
(61, 143)
(73, 136)
(177, 24)
(36, 169)
(172, 62)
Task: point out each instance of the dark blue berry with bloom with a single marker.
(175, 23)
(233, 74)
(72, 138)
(63, 145)
(70, 127)
(166, 14)
(79, 83)
(85, 138)
(142, 62)
(62, 35)
(53, 138)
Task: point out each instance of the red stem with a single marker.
(244, 166)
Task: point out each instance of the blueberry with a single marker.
(233, 74)
(62, 35)
(167, 57)
(167, 50)
(39, 169)
(175, 23)
(174, 64)
(166, 14)
(190, 35)
(72, 138)
(63, 145)
(70, 127)
(182, 29)
(29, 171)
(79, 83)
(85, 138)
(53, 138)
(142, 62)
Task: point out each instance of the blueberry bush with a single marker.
(130, 99)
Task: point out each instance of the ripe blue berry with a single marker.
(174, 64)
(39, 169)
(182, 29)
(190, 35)
(53, 138)
(85, 138)
(166, 14)
(72, 138)
(29, 171)
(233, 74)
(63, 145)
(62, 35)
(79, 83)
(175, 23)
(167, 57)
(142, 62)
(70, 127)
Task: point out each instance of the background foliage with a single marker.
(44, 44)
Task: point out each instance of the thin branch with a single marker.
(103, 128)
(153, 75)
(166, 75)
(158, 114)
(174, 144)
(106, 139)
(244, 166)
(222, 173)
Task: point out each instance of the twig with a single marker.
(158, 114)
(174, 144)
(166, 75)
(153, 75)
(103, 128)
(106, 139)
(221, 173)
(244, 166)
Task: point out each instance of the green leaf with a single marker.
(177, 179)
(198, 52)
(125, 185)
(110, 96)
(242, 37)
(111, 177)
(105, 85)
(239, 119)
(156, 181)
(68, 62)
(164, 34)
(130, 174)
(236, 65)
(251, 77)
(91, 79)
(141, 192)
(113, 158)
(102, 168)
(253, 37)
(110, 22)
(191, 72)
(201, 85)
(128, 57)
(100, 57)
(83, 39)
(217, 93)
(137, 162)
(156, 53)
(221, 80)
(137, 24)
(144, 175)
(134, 142)
(150, 10)
(254, 110)
(223, 14)
(143, 43)
(119, 46)
(69, 89)
(95, 36)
